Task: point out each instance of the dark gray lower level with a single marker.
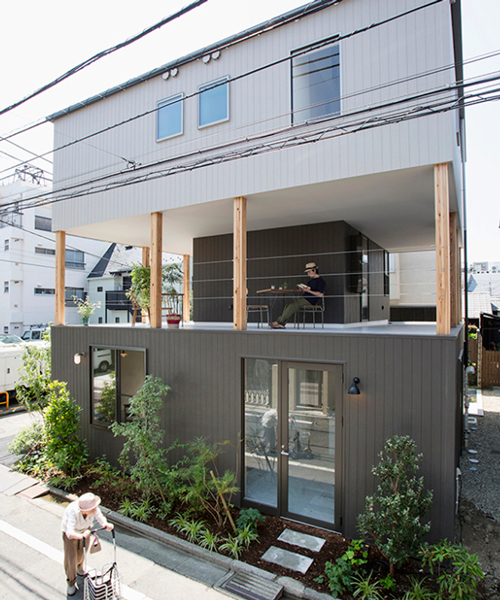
(410, 384)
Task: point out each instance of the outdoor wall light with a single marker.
(354, 389)
(78, 357)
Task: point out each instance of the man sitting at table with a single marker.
(313, 291)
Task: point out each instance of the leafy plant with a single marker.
(193, 529)
(208, 540)
(141, 510)
(388, 582)
(140, 289)
(127, 507)
(341, 573)
(418, 590)
(144, 436)
(35, 375)
(103, 472)
(62, 446)
(86, 307)
(63, 481)
(392, 516)
(459, 581)
(28, 441)
(366, 589)
(249, 516)
(247, 535)
(231, 545)
(106, 408)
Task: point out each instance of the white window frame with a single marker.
(165, 102)
(205, 87)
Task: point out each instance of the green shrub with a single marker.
(30, 442)
(143, 436)
(458, 571)
(62, 446)
(341, 573)
(249, 516)
(35, 376)
(392, 518)
(366, 589)
(418, 591)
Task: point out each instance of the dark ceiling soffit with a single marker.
(278, 21)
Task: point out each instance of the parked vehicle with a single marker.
(33, 335)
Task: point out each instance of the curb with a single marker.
(292, 588)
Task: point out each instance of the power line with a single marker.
(102, 54)
(279, 61)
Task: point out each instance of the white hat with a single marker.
(88, 501)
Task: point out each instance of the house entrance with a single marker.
(292, 440)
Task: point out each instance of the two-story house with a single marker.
(330, 134)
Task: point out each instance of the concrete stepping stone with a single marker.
(287, 559)
(36, 491)
(253, 587)
(303, 540)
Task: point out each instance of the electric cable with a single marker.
(102, 54)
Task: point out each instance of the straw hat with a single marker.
(309, 266)
(88, 502)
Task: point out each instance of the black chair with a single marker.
(312, 309)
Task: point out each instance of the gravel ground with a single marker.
(482, 487)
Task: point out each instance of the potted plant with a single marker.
(85, 308)
(140, 290)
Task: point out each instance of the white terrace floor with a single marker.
(411, 329)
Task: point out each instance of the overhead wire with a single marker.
(254, 71)
(102, 54)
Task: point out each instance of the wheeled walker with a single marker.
(103, 584)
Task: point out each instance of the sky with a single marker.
(40, 40)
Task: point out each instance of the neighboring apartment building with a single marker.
(27, 268)
(294, 141)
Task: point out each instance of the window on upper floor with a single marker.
(5, 287)
(169, 117)
(213, 103)
(44, 291)
(315, 83)
(75, 259)
(43, 223)
(6, 245)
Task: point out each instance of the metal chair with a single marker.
(262, 309)
(313, 309)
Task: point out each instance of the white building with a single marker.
(27, 262)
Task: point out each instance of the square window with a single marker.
(214, 102)
(169, 117)
(316, 83)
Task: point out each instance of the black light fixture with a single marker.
(354, 389)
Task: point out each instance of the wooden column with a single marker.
(156, 259)
(240, 263)
(185, 289)
(454, 272)
(441, 200)
(60, 276)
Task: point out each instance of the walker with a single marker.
(106, 583)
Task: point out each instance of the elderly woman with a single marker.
(76, 524)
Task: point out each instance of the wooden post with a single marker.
(156, 259)
(185, 289)
(454, 275)
(60, 276)
(441, 200)
(239, 263)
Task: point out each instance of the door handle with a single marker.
(283, 451)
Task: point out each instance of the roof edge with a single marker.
(280, 20)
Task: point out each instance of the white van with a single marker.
(33, 335)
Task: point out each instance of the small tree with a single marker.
(35, 376)
(392, 515)
(143, 435)
(62, 446)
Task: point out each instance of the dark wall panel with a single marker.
(408, 386)
(275, 257)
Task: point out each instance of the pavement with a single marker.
(154, 565)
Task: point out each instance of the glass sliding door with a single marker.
(309, 445)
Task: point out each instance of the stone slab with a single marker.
(35, 491)
(303, 540)
(289, 560)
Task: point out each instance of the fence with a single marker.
(487, 363)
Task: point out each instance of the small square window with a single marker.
(214, 102)
(99, 289)
(169, 120)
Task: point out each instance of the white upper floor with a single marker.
(312, 117)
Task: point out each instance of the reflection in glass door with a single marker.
(309, 443)
(292, 447)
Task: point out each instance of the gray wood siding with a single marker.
(419, 43)
(409, 385)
